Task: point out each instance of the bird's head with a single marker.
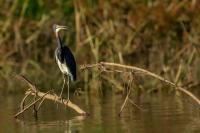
(57, 28)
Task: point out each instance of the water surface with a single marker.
(166, 113)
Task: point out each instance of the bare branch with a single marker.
(143, 71)
(33, 103)
(43, 96)
(61, 101)
(22, 104)
(127, 96)
(23, 78)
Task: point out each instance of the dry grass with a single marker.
(160, 36)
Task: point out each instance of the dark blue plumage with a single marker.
(64, 56)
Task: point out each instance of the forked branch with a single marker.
(43, 96)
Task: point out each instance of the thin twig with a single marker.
(23, 101)
(33, 103)
(32, 86)
(34, 106)
(127, 96)
(131, 101)
(40, 104)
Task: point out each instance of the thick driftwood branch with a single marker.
(43, 96)
(57, 99)
(103, 65)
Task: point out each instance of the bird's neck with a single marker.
(59, 41)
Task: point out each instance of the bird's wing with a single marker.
(68, 58)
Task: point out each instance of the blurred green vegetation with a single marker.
(160, 36)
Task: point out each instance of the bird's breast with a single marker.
(63, 67)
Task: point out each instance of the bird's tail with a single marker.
(73, 78)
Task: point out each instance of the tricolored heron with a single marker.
(64, 58)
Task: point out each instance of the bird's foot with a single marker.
(61, 99)
(68, 101)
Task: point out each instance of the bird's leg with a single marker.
(68, 88)
(62, 87)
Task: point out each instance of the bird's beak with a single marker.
(60, 27)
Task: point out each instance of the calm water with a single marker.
(161, 113)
